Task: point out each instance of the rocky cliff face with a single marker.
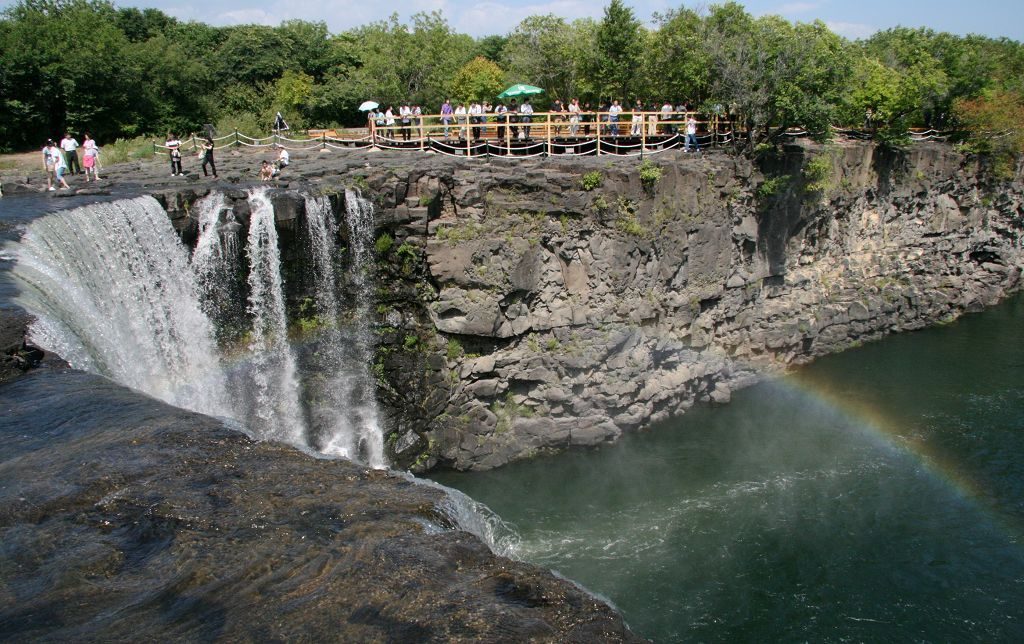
(573, 302)
(536, 305)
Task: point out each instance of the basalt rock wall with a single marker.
(536, 305)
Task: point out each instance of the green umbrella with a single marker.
(520, 90)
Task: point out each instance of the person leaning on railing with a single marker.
(526, 116)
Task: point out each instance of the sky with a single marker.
(858, 19)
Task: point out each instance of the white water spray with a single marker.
(110, 289)
(275, 411)
(350, 416)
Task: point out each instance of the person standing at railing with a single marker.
(691, 134)
(574, 117)
(666, 115)
(556, 115)
(501, 118)
(389, 122)
(446, 116)
(405, 113)
(513, 117)
(460, 120)
(417, 120)
(587, 117)
(652, 120)
(680, 118)
(526, 116)
(637, 122)
(614, 110)
(485, 108)
(475, 112)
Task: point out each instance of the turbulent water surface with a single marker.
(876, 495)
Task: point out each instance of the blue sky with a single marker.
(482, 17)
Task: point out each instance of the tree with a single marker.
(994, 123)
(552, 54)
(678, 62)
(477, 80)
(619, 44)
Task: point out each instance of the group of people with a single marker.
(205, 151)
(269, 171)
(471, 120)
(62, 160)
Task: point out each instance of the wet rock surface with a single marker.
(123, 518)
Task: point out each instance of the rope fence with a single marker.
(521, 136)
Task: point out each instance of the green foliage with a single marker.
(408, 254)
(454, 349)
(620, 42)
(411, 342)
(384, 243)
(818, 174)
(994, 124)
(461, 232)
(591, 180)
(773, 186)
(477, 80)
(650, 174)
(121, 150)
(507, 411)
(124, 72)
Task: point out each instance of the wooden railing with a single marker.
(546, 127)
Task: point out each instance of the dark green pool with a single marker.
(876, 495)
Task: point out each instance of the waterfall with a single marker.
(111, 291)
(216, 260)
(274, 408)
(346, 419)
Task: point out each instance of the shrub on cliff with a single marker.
(993, 125)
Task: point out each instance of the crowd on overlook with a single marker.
(472, 119)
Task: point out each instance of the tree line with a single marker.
(123, 72)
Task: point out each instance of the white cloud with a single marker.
(852, 30)
(485, 18)
(797, 7)
(246, 17)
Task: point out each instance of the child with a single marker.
(90, 158)
(266, 171)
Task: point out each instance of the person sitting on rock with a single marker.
(266, 171)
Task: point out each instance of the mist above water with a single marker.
(875, 495)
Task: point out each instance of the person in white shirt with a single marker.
(55, 165)
(405, 112)
(637, 120)
(574, 117)
(282, 161)
(173, 146)
(70, 147)
(525, 116)
(460, 119)
(613, 118)
(475, 112)
(691, 135)
(501, 118)
(666, 115)
(389, 122)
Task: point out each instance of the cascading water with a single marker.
(347, 420)
(274, 410)
(110, 289)
(216, 260)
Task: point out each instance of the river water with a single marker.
(875, 495)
